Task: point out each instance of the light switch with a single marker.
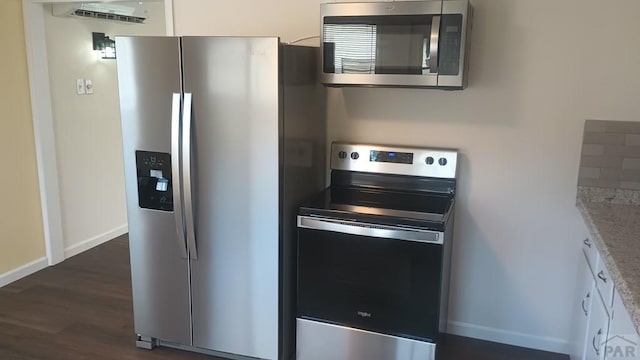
(80, 86)
(88, 86)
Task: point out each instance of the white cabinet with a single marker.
(597, 331)
(623, 338)
(581, 311)
(591, 317)
(588, 248)
(604, 284)
(602, 328)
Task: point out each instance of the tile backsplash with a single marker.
(610, 155)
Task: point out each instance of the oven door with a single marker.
(375, 278)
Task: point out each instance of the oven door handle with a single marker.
(371, 230)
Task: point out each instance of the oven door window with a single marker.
(382, 285)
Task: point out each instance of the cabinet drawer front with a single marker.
(597, 331)
(604, 283)
(590, 251)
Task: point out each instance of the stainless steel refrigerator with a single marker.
(223, 137)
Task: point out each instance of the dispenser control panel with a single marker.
(154, 180)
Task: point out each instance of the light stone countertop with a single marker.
(613, 219)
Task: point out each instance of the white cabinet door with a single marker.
(582, 310)
(588, 247)
(597, 331)
(604, 283)
(623, 339)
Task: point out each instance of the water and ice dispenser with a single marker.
(154, 180)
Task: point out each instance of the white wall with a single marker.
(538, 70)
(87, 127)
(22, 249)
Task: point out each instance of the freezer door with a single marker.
(235, 179)
(149, 76)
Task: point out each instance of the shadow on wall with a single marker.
(497, 56)
(478, 278)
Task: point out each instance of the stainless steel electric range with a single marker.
(373, 255)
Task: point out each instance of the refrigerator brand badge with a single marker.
(364, 314)
(258, 52)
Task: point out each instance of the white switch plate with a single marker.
(80, 86)
(88, 86)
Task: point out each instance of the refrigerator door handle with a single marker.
(186, 172)
(175, 169)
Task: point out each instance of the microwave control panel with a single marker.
(450, 39)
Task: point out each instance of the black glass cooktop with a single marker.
(382, 207)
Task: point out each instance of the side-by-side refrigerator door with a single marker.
(149, 80)
(235, 150)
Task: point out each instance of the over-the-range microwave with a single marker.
(399, 44)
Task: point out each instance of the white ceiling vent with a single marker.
(131, 12)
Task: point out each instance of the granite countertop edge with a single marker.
(628, 295)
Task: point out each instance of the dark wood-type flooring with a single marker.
(81, 309)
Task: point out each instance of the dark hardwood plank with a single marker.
(25, 342)
(81, 309)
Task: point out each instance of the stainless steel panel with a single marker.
(235, 179)
(429, 80)
(433, 46)
(446, 273)
(380, 8)
(459, 7)
(371, 230)
(186, 163)
(304, 162)
(177, 173)
(420, 167)
(148, 75)
(320, 341)
(389, 212)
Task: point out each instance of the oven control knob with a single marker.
(355, 155)
(429, 160)
(342, 154)
(442, 161)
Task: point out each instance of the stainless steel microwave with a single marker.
(399, 44)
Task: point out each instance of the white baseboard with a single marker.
(95, 241)
(24, 270)
(508, 337)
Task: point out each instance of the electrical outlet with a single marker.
(80, 89)
(88, 86)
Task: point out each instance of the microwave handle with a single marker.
(433, 45)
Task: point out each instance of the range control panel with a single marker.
(437, 163)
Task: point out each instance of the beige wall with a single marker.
(538, 70)
(87, 127)
(21, 234)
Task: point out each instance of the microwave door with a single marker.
(401, 49)
(390, 50)
(406, 50)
